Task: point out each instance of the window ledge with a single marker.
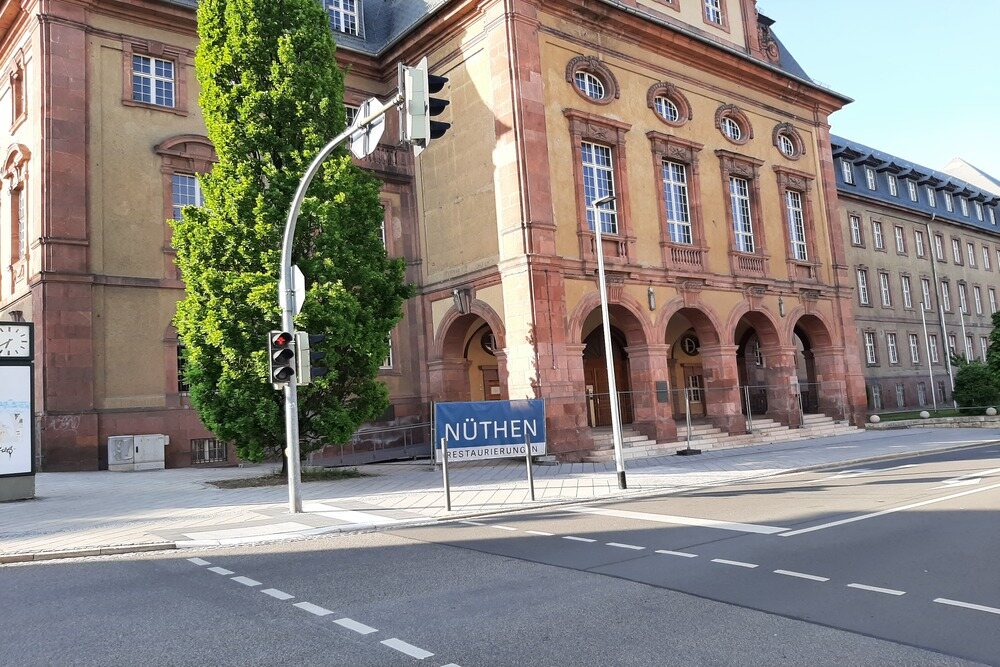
(154, 107)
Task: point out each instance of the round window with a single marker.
(786, 145)
(667, 110)
(690, 345)
(731, 128)
(590, 85)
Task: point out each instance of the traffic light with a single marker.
(418, 105)
(281, 352)
(306, 357)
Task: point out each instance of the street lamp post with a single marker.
(616, 422)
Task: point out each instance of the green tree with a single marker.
(993, 354)
(272, 96)
(976, 388)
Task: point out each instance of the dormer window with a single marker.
(911, 187)
(345, 16)
(847, 169)
(931, 198)
(979, 211)
(893, 186)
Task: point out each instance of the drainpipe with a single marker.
(937, 290)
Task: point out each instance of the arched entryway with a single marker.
(470, 363)
(596, 377)
(805, 371)
(693, 359)
(767, 370)
(819, 368)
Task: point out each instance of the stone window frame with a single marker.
(672, 4)
(899, 237)
(853, 216)
(791, 180)
(918, 244)
(748, 168)
(892, 350)
(357, 15)
(183, 60)
(906, 290)
(956, 251)
(788, 130)
(987, 262)
(878, 239)
(18, 94)
(738, 116)
(591, 128)
(680, 256)
(864, 286)
(674, 94)
(885, 289)
(594, 66)
(938, 252)
(869, 334)
(723, 12)
(15, 172)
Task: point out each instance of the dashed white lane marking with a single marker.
(877, 589)
(676, 553)
(473, 523)
(577, 539)
(498, 527)
(901, 508)
(801, 575)
(312, 608)
(737, 563)
(276, 594)
(539, 532)
(220, 570)
(968, 605)
(450, 664)
(681, 520)
(246, 581)
(625, 546)
(198, 561)
(843, 447)
(351, 624)
(408, 649)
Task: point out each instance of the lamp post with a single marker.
(616, 423)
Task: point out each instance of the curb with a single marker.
(84, 552)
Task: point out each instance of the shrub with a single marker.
(975, 388)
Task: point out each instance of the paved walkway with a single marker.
(94, 510)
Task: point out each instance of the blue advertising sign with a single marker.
(489, 429)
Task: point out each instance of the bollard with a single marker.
(527, 458)
(444, 473)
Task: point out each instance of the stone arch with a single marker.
(194, 149)
(626, 314)
(702, 316)
(814, 325)
(762, 320)
(13, 164)
(450, 336)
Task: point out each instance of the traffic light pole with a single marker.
(287, 298)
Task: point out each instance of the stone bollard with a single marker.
(874, 419)
(924, 414)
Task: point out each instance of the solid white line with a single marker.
(351, 624)
(246, 581)
(877, 589)
(968, 605)
(681, 520)
(801, 575)
(312, 608)
(198, 561)
(577, 539)
(450, 664)
(539, 532)
(275, 593)
(473, 523)
(503, 527)
(676, 553)
(220, 570)
(888, 511)
(408, 649)
(737, 563)
(625, 546)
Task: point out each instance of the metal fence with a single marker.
(375, 444)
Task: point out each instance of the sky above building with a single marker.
(923, 74)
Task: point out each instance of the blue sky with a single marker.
(923, 74)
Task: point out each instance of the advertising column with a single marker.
(17, 461)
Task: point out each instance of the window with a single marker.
(350, 114)
(939, 247)
(589, 85)
(863, 287)
(998, 260)
(785, 145)
(599, 182)
(871, 351)
(912, 189)
(883, 284)
(940, 388)
(387, 364)
(918, 243)
(914, 348)
(877, 239)
(900, 240)
(956, 251)
(731, 129)
(963, 298)
(993, 300)
(970, 252)
(979, 211)
(921, 394)
(986, 259)
(668, 103)
(964, 203)
(931, 199)
(153, 80)
(796, 225)
(592, 79)
(713, 11)
(19, 213)
(18, 106)
(870, 178)
(182, 385)
(945, 295)
(893, 185)
(890, 343)
(675, 196)
(186, 191)
(949, 204)
(667, 110)
(847, 170)
(932, 347)
(968, 349)
(952, 344)
(993, 216)
(788, 140)
(856, 230)
(900, 395)
(208, 450)
(876, 397)
(907, 295)
(925, 288)
(984, 346)
(977, 297)
(344, 15)
(739, 194)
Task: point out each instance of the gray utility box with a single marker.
(129, 453)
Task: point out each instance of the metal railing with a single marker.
(375, 444)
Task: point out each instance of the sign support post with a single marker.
(444, 473)
(527, 458)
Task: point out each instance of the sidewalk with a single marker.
(121, 512)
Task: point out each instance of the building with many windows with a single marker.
(726, 267)
(924, 247)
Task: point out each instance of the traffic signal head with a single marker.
(307, 357)
(418, 105)
(281, 353)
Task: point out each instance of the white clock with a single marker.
(15, 340)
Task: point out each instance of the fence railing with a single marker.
(374, 444)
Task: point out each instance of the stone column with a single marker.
(833, 396)
(722, 388)
(782, 387)
(448, 380)
(649, 364)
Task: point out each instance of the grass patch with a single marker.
(277, 479)
(915, 414)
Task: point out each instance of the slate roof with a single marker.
(882, 162)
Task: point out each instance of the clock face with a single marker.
(15, 340)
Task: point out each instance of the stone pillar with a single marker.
(722, 388)
(649, 365)
(782, 387)
(833, 397)
(448, 380)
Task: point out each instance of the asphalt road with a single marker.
(721, 576)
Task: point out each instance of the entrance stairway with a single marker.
(704, 436)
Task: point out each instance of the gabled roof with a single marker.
(959, 168)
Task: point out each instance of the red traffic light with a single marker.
(281, 339)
